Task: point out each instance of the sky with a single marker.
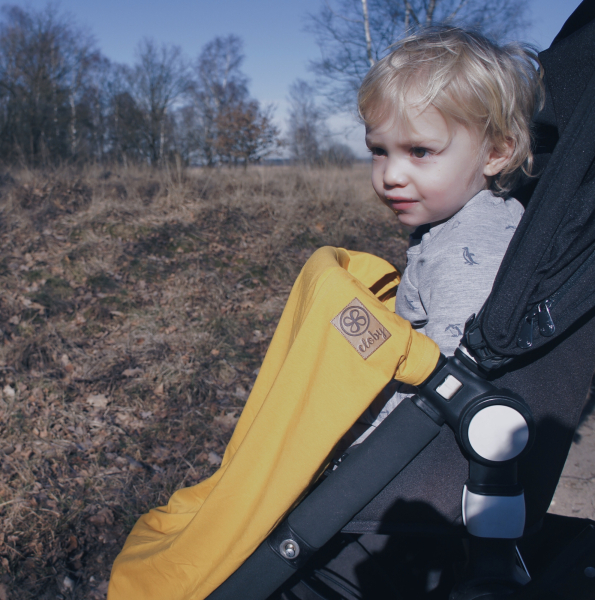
(276, 46)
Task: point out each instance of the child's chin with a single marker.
(410, 220)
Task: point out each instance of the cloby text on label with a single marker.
(361, 328)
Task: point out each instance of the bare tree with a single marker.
(156, 81)
(307, 129)
(219, 73)
(246, 133)
(222, 124)
(60, 99)
(338, 155)
(218, 85)
(353, 34)
(47, 66)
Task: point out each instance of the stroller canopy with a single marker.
(545, 283)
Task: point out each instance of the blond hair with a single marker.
(467, 78)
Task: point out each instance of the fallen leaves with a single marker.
(72, 544)
(102, 517)
(97, 400)
(67, 584)
(226, 421)
(214, 459)
(130, 338)
(132, 372)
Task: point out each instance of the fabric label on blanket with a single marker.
(361, 328)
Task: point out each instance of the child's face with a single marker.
(427, 169)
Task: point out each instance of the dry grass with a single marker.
(135, 309)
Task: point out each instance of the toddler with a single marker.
(447, 118)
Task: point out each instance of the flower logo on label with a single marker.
(364, 332)
(354, 321)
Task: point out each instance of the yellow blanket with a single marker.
(336, 346)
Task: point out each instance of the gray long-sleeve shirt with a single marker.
(449, 275)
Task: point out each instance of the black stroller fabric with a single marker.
(551, 256)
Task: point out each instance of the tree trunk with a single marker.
(72, 124)
(367, 32)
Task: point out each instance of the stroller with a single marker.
(401, 530)
(447, 498)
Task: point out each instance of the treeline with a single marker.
(62, 100)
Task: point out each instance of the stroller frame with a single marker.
(494, 569)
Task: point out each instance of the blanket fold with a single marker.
(335, 348)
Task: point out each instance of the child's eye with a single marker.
(376, 151)
(419, 152)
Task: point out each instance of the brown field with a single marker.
(135, 309)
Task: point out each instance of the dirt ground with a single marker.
(135, 310)
(575, 495)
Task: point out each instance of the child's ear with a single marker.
(498, 157)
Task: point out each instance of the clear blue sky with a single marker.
(276, 46)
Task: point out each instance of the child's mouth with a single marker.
(400, 203)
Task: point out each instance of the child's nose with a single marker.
(395, 174)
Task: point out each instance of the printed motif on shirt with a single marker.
(454, 329)
(468, 257)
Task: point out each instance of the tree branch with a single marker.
(430, 12)
(453, 14)
(410, 12)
